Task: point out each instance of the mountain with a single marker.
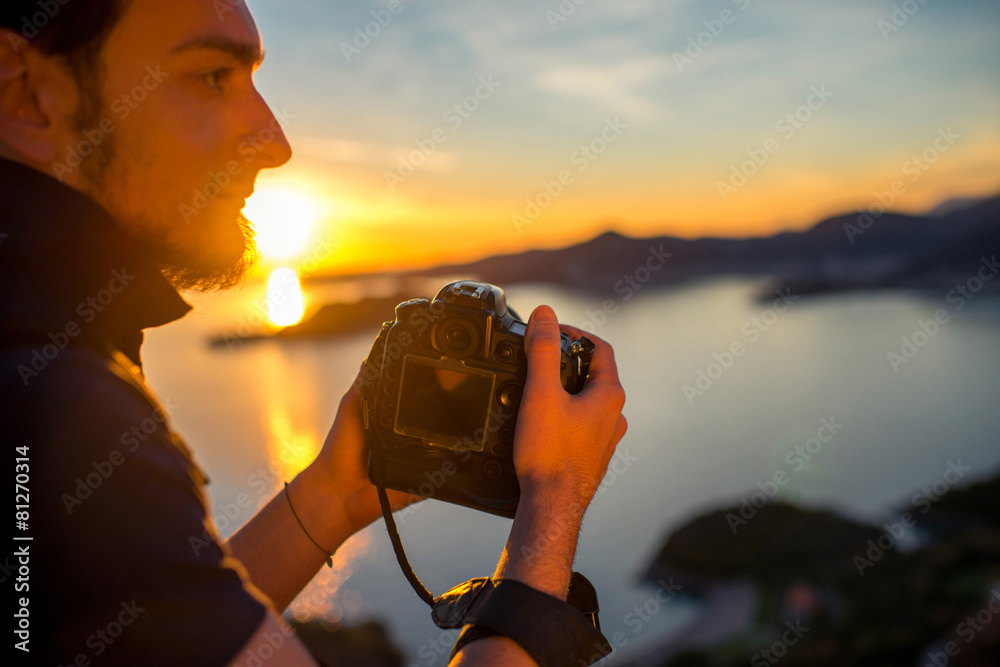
(850, 251)
(952, 205)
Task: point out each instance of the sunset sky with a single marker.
(642, 108)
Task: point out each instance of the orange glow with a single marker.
(293, 441)
(284, 221)
(434, 219)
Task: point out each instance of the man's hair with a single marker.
(73, 29)
(75, 32)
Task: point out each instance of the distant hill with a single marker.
(952, 205)
(846, 252)
(850, 251)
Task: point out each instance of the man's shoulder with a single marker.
(118, 519)
(82, 406)
(76, 382)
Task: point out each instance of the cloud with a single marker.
(617, 86)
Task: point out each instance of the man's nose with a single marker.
(272, 145)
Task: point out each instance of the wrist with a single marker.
(320, 507)
(542, 541)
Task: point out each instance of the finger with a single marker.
(543, 345)
(351, 399)
(575, 332)
(603, 367)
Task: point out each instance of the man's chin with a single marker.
(206, 278)
(210, 267)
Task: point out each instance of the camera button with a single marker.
(492, 469)
(510, 395)
(505, 352)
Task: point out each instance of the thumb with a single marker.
(543, 346)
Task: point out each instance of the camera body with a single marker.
(440, 395)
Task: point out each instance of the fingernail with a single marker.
(545, 314)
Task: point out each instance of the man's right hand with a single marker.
(562, 447)
(564, 441)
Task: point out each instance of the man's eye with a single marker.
(217, 77)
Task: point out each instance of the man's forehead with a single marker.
(162, 28)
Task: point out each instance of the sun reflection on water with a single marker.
(286, 303)
(289, 407)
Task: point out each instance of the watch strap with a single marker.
(553, 632)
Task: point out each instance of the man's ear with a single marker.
(38, 96)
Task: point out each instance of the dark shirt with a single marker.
(123, 566)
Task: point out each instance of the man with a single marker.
(113, 113)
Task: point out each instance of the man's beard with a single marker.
(174, 263)
(214, 279)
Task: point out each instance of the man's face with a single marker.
(191, 132)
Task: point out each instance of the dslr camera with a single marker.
(440, 395)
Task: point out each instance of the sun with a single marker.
(283, 221)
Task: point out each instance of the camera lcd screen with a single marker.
(444, 403)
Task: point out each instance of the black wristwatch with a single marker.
(554, 633)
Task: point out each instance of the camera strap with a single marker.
(552, 632)
(378, 466)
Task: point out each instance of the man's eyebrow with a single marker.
(248, 53)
